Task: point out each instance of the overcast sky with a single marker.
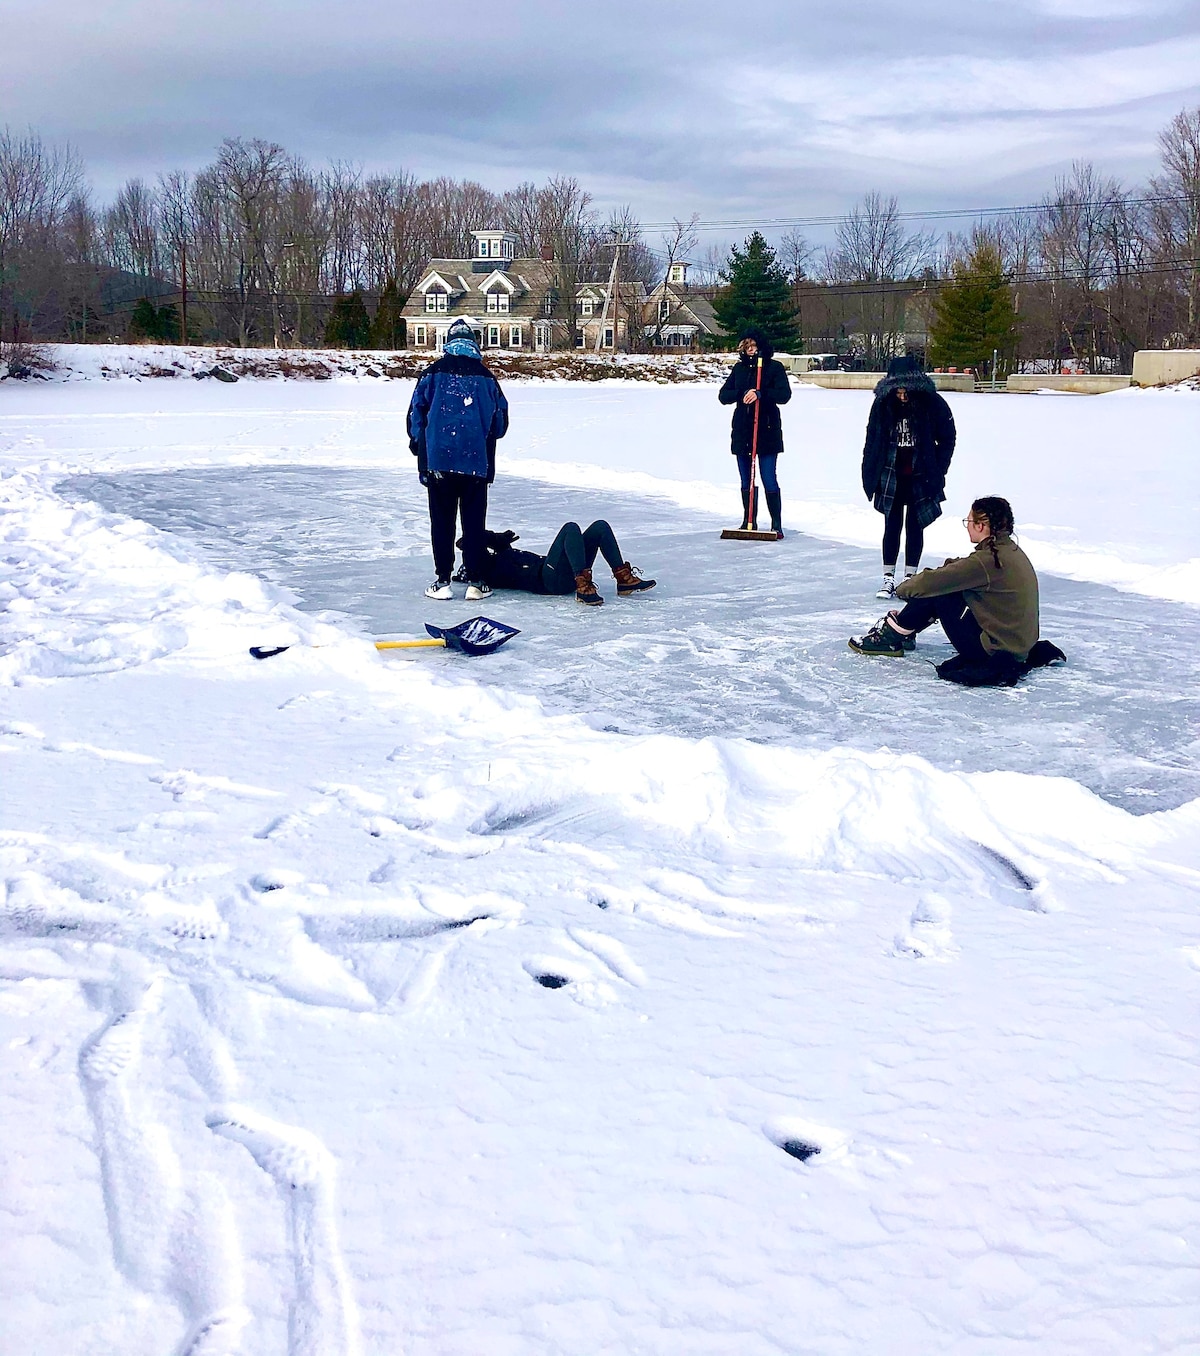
(735, 111)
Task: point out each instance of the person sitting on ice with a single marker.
(565, 568)
(987, 604)
(767, 387)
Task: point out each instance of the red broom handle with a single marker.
(754, 448)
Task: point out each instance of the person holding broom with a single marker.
(756, 388)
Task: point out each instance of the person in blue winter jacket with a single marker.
(455, 417)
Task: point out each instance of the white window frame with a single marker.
(580, 339)
(419, 336)
(485, 247)
(431, 301)
(493, 336)
(501, 302)
(543, 337)
(587, 305)
(493, 301)
(514, 336)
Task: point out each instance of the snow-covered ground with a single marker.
(361, 1003)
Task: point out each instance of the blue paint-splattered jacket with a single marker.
(456, 414)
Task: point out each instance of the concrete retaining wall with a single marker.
(1076, 385)
(1159, 366)
(867, 381)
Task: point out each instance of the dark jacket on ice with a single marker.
(932, 427)
(506, 568)
(998, 584)
(775, 390)
(456, 414)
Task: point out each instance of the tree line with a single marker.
(262, 248)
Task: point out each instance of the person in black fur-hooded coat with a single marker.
(909, 444)
(774, 390)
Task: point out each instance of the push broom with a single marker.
(749, 531)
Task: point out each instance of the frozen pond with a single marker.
(737, 639)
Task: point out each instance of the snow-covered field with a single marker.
(410, 1003)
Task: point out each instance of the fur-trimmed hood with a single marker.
(766, 349)
(905, 372)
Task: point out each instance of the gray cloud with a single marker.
(770, 110)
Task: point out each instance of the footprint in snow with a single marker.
(805, 1140)
(928, 936)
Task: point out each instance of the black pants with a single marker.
(453, 496)
(957, 619)
(914, 538)
(573, 551)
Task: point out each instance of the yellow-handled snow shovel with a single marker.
(480, 635)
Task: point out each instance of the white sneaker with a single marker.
(478, 591)
(440, 589)
(887, 590)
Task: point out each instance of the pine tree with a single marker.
(757, 296)
(143, 324)
(388, 329)
(349, 325)
(973, 315)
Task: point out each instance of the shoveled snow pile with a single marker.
(359, 1004)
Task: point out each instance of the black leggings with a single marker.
(957, 619)
(914, 538)
(573, 551)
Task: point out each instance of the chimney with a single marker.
(547, 252)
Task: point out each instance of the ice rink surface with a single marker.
(738, 639)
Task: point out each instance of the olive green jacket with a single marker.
(1003, 601)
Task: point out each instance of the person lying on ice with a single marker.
(565, 568)
(987, 603)
(744, 388)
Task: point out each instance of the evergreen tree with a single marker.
(143, 324)
(973, 314)
(388, 328)
(160, 325)
(757, 295)
(349, 325)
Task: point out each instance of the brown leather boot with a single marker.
(586, 591)
(629, 580)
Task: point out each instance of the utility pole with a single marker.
(611, 294)
(183, 290)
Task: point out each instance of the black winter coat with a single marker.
(775, 390)
(933, 434)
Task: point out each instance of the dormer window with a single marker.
(494, 245)
(587, 306)
(497, 301)
(435, 301)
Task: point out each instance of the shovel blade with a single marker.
(480, 635)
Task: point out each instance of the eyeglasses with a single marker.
(973, 522)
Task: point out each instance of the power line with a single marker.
(939, 214)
